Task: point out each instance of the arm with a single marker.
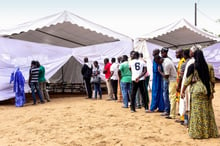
(29, 79)
(119, 74)
(188, 80)
(104, 70)
(162, 74)
(142, 74)
(179, 84)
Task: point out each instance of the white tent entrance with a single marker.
(16, 53)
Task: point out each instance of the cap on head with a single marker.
(165, 49)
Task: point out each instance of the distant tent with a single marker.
(179, 34)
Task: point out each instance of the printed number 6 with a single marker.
(137, 66)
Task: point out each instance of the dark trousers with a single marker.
(88, 87)
(135, 86)
(114, 84)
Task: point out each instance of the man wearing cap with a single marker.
(169, 80)
(164, 52)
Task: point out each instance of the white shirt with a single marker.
(137, 67)
(114, 68)
(169, 69)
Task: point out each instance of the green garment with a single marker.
(41, 74)
(125, 72)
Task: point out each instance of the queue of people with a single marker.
(189, 87)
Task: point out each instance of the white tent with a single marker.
(63, 29)
(179, 34)
(76, 37)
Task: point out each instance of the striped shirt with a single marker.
(34, 74)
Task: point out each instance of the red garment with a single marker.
(107, 69)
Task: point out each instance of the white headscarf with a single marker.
(195, 47)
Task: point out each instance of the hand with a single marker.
(159, 69)
(137, 79)
(182, 95)
(178, 89)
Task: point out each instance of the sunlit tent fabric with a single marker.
(63, 29)
(76, 37)
(212, 55)
(179, 34)
(16, 53)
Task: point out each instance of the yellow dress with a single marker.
(202, 119)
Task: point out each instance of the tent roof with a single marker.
(63, 29)
(178, 34)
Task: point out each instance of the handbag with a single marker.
(95, 79)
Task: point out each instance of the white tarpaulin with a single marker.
(15, 53)
(211, 53)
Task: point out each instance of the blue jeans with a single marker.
(125, 89)
(34, 86)
(166, 95)
(98, 89)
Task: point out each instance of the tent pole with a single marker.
(195, 14)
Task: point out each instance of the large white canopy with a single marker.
(178, 34)
(72, 37)
(63, 29)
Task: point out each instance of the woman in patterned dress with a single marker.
(201, 77)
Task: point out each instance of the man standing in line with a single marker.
(86, 72)
(179, 86)
(124, 74)
(34, 83)
(157, 87)
(42, 82)
(107, 73)
(179, 55)
(138, 70)
(169, 86)
(114, 77)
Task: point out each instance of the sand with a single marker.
(74, 121)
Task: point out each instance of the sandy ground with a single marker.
(74, 121)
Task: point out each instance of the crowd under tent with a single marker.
(60, 42)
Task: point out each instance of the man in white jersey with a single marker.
(138, 70)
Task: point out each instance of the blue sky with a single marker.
(130, 17)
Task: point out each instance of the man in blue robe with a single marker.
(19, 82)
(157, 101)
